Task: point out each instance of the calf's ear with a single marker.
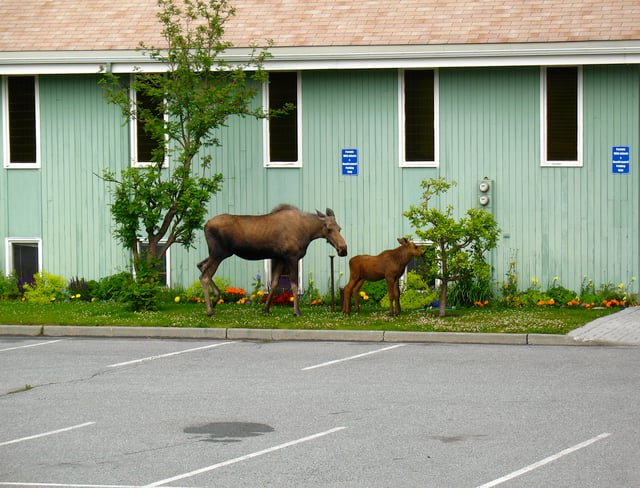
(330, 212)
(402, 240)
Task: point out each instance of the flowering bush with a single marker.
(46, 288)
(232, 295)
(607, 295)
(284, 298)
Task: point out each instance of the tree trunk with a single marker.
(443, 299)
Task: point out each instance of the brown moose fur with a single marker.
(282, 235)
(388, 265)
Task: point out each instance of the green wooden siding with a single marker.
(80, 137)
(565, 222)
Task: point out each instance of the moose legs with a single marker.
(207, 269)
(352, 288)
(277, 268)
(393, 289)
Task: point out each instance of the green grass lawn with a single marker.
(534, 320)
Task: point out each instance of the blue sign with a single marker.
(619, 168)
(620, 153)
(349, 169)
(349, 156)
(349, 162)
(620, 160)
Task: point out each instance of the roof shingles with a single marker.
(63, 25)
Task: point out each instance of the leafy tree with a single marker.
(459, 246)
(180, 110)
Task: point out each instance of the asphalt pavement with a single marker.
(619, 329)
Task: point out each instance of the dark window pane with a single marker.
(283, 130)
(562, 114)
(148, 146)
(25, 261)
(161, 268)
(22, 119)
(419, 115)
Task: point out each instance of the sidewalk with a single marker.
(619, 329)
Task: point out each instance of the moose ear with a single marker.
(320, 214)
(402, 240)
(330, 213)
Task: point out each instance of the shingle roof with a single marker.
(81, 25)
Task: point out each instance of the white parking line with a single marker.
(548, 460)
(151, 358)
(63, 485)
(66, 485)
(328, 363)
(244, 458)
(30, 345)
(44, 434)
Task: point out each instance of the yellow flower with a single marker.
(260, 293)
(78, 295)
(176, 299)
(94, 299)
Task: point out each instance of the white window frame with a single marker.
(436, 123)
(268, 276)
(8, 251)
(6, 153)
(133, 135)
(403, 278)
(267, 163)
(543, 123)
(167, 260)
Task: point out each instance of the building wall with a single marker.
(565, 222)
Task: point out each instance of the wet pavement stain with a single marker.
(228, 431)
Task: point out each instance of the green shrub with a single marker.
(415, 282)
(110, 287)
(141, 296)
(561, 295)
(470, 291)
(46, 288)
(9, 287)
(194, 292)
(143, 293)
(81, 289)
(412, 299)
(375, 290)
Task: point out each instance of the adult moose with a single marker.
(388, 265)
(282, 236)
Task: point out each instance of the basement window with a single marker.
(23, 257)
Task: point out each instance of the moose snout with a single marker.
(342, 251)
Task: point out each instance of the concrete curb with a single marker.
(296, 335)
(455, 338)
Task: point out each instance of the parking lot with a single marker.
(79, 412)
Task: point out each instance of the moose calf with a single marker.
(388, 265)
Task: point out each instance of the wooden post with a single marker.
(333, 306)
